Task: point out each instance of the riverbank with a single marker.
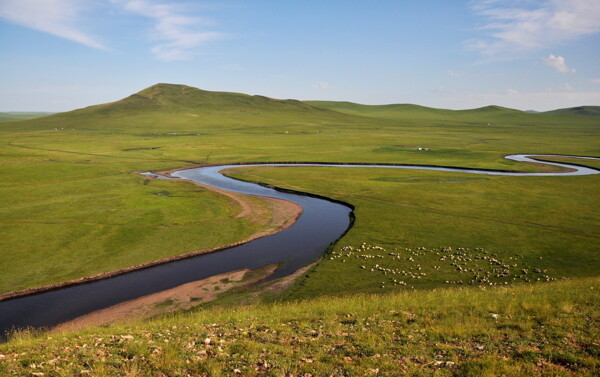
(183, 297)
(282, 214)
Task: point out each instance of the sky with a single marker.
(59, 55)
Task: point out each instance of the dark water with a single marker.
(321, 223)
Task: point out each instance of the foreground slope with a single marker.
(532, 330)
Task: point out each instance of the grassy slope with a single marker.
(407, 111)
(589, 111)
(537, 330)
(67, 179)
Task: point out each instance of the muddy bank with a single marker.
(183, 297)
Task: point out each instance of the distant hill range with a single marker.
(396, 111)
(14, 115)
(587, 111)
(166, 100)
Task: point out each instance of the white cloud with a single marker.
(558, 63)
(321, 85)
(456, 74)
(596, 81)
(566, 88)
(178, 32)
(56, 17)
(442, 89)
(513, 29)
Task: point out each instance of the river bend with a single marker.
(321, 224)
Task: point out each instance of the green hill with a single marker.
(416, 112)
(180, 98)
(162, 106)
(586, 111)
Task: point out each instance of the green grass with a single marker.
(72, 205)
(545, 223)
(589, 111)
(70, 227)
(69, 192)
(591, 163)
(530, 330)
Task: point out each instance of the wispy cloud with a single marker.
(56, 17)
(566, 88)
(443, 90)
(456, 74)
(512, 26)
(321, 85)
(178, 34)
(558, 63)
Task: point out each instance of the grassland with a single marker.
(408, 217)
(530, 330)
(72, 205)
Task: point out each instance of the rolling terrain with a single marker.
(587, 111)
(12, 116)
(72, 204)
(69, 179)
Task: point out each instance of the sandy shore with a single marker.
(183, 297)
(283, 213)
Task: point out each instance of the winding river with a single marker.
(321, 224)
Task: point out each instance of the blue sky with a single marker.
(60, 55)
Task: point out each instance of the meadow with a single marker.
(73, 204)
(423, 229)
(432, 255)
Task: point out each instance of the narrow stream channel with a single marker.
(322, 223)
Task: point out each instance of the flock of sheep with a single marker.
(461, 266)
